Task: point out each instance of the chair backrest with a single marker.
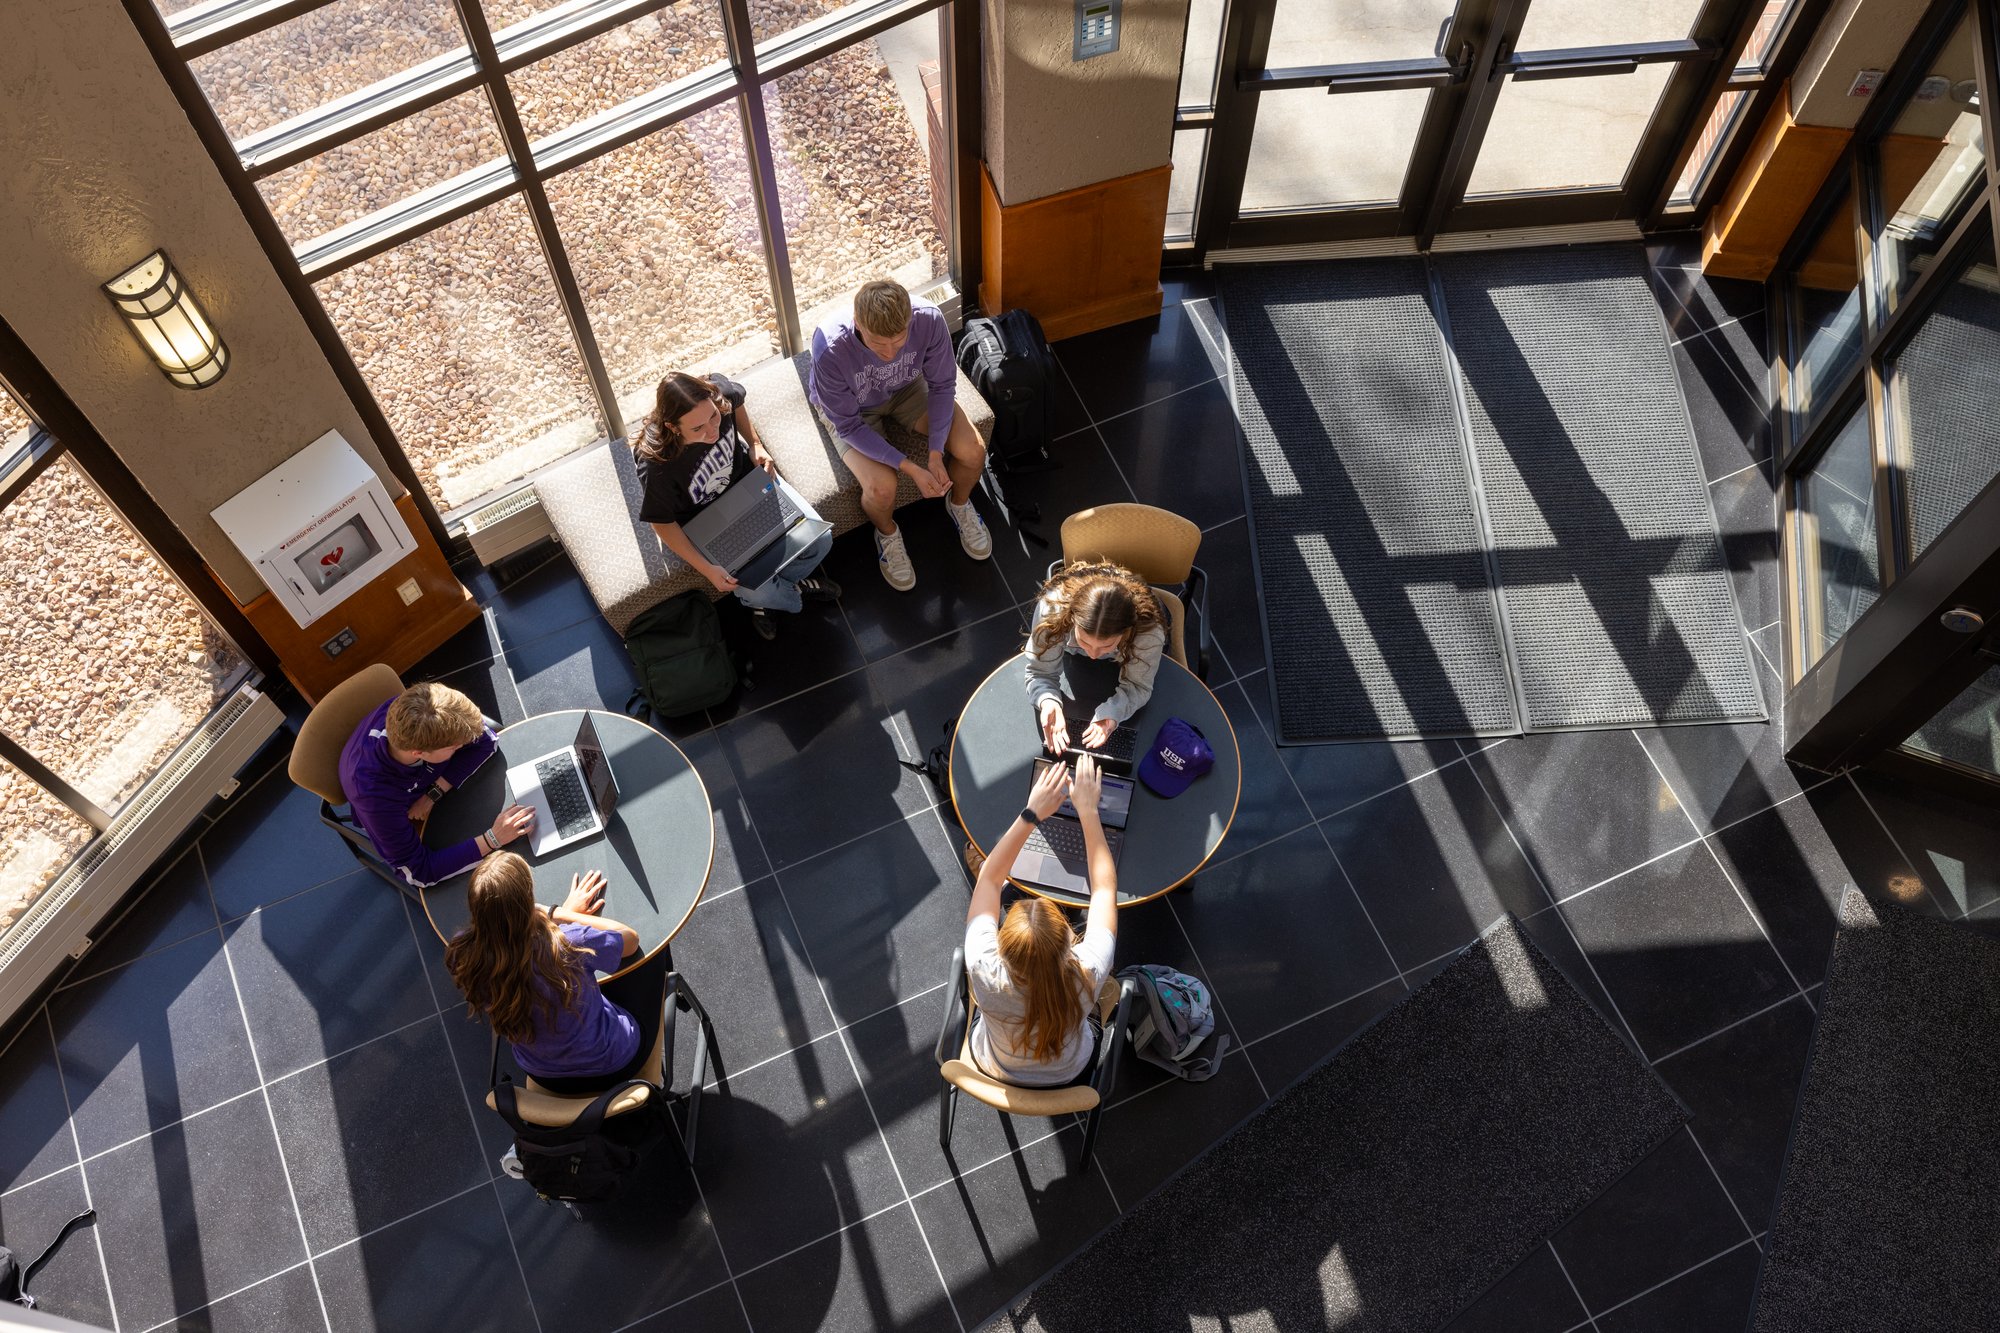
(1155, 544)
(968, 1078)
(538, 1106)
(1176, 614)
(315, 761)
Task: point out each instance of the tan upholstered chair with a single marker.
(537, 1105)
(315, 762)
(1159, 547)
(960, 1074)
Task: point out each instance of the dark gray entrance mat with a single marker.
(1371, 566)
(1389, 1187)
(1612, 575)
(1890, 1204)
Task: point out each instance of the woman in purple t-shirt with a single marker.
(532, 971)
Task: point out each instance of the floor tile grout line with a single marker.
(1747, 467)
(1749, 1231)
(1589, 1320)
(691, 1296)
(1691, 1268)
(76, 1146)
(836, 1030)
(1227, 1017)
(854, 1067)
(161, 1128)
(1781, 1002)
(173, 1320)
(1561, 916)
(471, 1116)
(271, 1115)
(1389, 980)
(378, 1229)
(1728, 877)
(721, 1251)
(1126, 412)
(1897, 843)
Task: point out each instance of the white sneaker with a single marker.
(972, 533)
(895, 561)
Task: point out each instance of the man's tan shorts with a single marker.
(908, 407)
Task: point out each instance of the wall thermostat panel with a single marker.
(1097, 27)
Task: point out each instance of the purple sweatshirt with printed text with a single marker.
(381, 792)
(847, 378)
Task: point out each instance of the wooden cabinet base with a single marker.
(1078, 261)
(384, 628)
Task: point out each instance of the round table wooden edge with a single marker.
(707, 870)
(1040, 891)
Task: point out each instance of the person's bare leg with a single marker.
(878, 489)
(964, 456)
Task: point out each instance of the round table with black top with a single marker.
(655, 852)
(996, 743)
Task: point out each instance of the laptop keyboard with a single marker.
(562, 788)
(1060, 838)
(773, 512)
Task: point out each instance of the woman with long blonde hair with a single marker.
(1103, 612)
(531, 971)
(1034, 982)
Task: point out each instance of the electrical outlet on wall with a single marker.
(339, 643)
(409, 591)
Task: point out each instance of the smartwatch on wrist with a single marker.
(434, 792)
(1028, 814)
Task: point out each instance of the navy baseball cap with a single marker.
(1180, 754)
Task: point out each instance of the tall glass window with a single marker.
(1944, 402)
(1931, 164)
(111, 665)
(512, 300)
(1839, 568)
(1824, 290)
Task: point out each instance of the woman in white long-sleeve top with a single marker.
(1104, 612)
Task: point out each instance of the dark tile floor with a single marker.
(260, 1080)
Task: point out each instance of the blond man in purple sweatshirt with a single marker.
(892, 359)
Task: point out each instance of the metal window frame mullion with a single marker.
(742, 42)
(1241, 53)
(965, 135)
(533, 193)
(1718, 83)
(39, 773)
(278, 250)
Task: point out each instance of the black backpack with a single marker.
(590, 1160)
(683, 661)
(1009, 362)
(15, 1275)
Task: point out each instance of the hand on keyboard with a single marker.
(514, 821)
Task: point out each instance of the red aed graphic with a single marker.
(333, 557)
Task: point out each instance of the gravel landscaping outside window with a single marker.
(460, 332)
(111, 665)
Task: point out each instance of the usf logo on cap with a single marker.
(1180, 754)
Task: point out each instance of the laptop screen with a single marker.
(1114, 798)
(596, 769)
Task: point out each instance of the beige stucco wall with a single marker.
(1053, 124)
(1855, 35)
(99, 166)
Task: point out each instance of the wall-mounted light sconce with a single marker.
(165, 317)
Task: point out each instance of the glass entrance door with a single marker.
(1408, 118)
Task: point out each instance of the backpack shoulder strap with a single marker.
(29, 1270)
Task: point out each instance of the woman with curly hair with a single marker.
(1034, 982)
(1103, 612)
(697, 442)
(531, 971)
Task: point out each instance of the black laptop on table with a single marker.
(1053, 855)
(1083, 685)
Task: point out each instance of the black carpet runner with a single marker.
(1476, 501)
(1889, 1214)
(1387, 1189)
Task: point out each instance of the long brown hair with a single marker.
(1035, 944)
(507, 947)
(1099, 598)
(679, 394)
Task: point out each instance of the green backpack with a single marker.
(683, 662)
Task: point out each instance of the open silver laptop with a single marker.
(571, 791)
(756, 529)
(1053, 854)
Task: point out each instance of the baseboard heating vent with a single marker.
(508, 526)
(1520, 238)
(59, 923)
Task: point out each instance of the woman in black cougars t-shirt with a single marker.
(697, 440)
